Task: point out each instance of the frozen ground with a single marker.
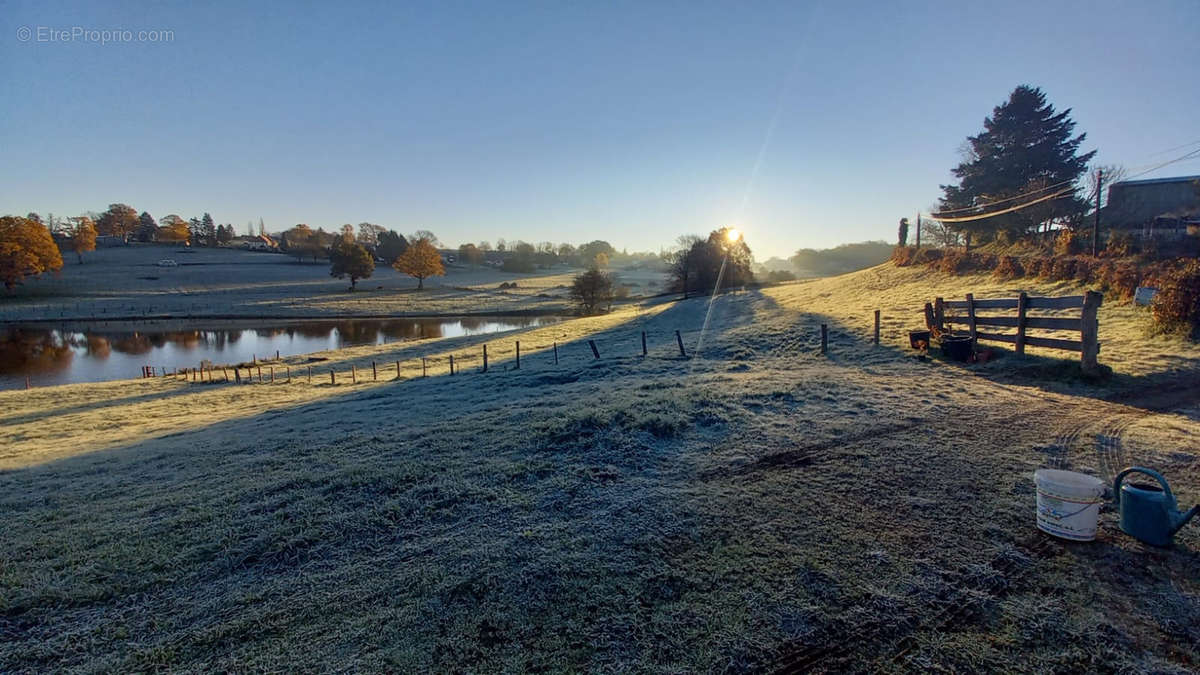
(756, 507)
(126, 282)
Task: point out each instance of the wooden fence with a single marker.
(1087, 325)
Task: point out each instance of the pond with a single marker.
(97, 352)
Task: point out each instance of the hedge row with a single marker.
(1176, 305)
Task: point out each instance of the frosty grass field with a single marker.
(756, 506)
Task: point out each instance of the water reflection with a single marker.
(92, 353)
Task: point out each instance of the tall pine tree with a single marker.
(1025, 147)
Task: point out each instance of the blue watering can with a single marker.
(1148, 512)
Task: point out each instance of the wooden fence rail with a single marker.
(1087, 325)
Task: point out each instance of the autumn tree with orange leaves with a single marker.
(26, 250)
(83, 235)
(420, 260)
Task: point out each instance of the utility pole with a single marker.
(1096, 227)
(918, 229)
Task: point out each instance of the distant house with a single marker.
(108, 241)
(258, 242)
(1161, 208)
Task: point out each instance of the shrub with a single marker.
(1008, 267)
(1177, 303)
(1067, 243)
(903, 255)
(1085, 270)
(1122, 280)
(953, 262)
(1062, 269)
(927, 256)
(1120, 245)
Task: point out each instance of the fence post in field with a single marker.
(451, 364)
(556, 352)
(289, 374)
(876, 326)
(353, 375)
(1022, 309)
(929, 315)
(310, 374)
(643, 343)
(595, 352)
(971, 319)
(484, 358)
(939, 314)
(259, 374)
(824, 338)
(225, 372)
(237, 375)
(276, 354)
(422, 366)
(272, 374)
(374, 373)
(1090, 333)
(679, 341)
(28, 384)
(518, 355)
(397, 370)
(332, 377)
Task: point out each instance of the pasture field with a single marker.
(756, 506)
(127, 282)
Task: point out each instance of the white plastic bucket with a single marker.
(1068, 503)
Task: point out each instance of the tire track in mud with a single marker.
(1119, 414)
(953, 610)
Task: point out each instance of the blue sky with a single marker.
(567, 121)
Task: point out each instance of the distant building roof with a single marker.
(1134, 203)
(1157, 181)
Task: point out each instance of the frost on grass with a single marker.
(730, 511)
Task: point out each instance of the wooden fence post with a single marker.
(939, 314)
(876, 326)
(595, 352)
(259, 373)
(556, 352)
(353, 374)
(289, 374)
(971, 319)
(1022, 309)
(237, 375)
(1090, 333)
(451, 364)
(422, 366)
(679, 341)
(272, 369)
(397, 370)
(929, 316)
(374, 373)
(484, 358)
(643, 343)
(518, 355)
(28, 384)
(332, 377)
(824, 338)
(225, 373)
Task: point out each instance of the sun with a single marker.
(732, 234)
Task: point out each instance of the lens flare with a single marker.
(733, 235)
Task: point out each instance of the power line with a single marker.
(1008, 199)
(964, 219)
(1190, 155)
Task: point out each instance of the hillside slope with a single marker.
(754, 506)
